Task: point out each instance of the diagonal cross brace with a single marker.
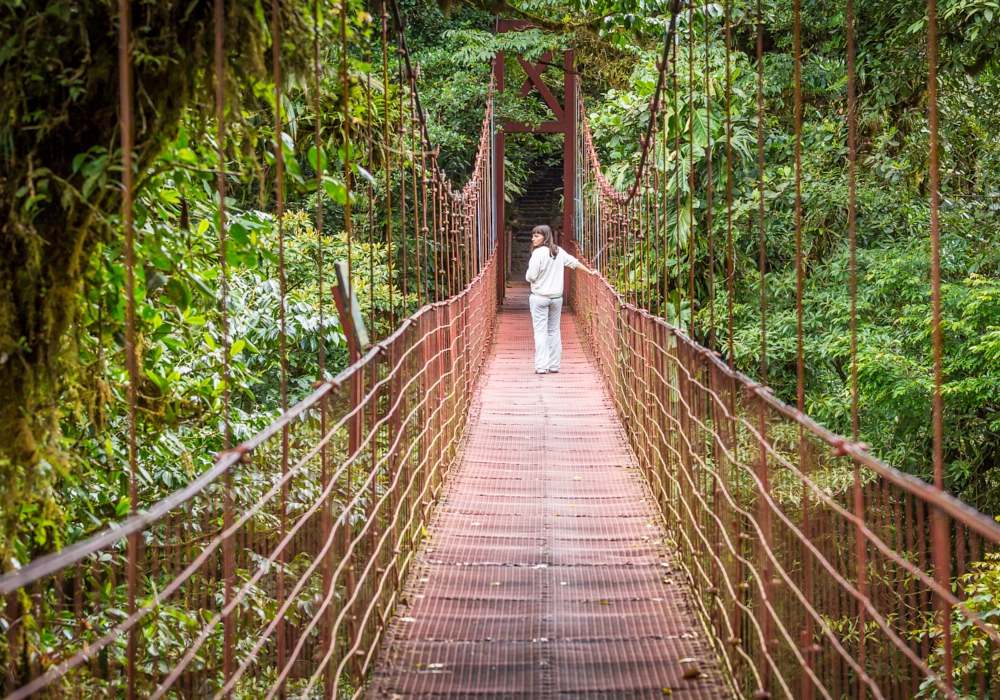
(535, 78)
(540, 67)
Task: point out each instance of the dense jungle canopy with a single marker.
(63, 447)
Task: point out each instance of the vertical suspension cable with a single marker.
(691, 227)
(708, 184)
(370, 118)
(799, 271)
(325, 517)
(765, 669)
(131, 362)
(666, 214)
(852, 237)
(279, 157)
(760, 194)
(852, 220)
(649, 196)
(730, 261)
(228, 563)
(677, 187)
(942, 545)
(402, 174)
(428, 268)
(935, 235)
(414, 145)
(356, 388)
(657, 254)
(346, 85)
(436, 218)
(220, 181)
(643, 205)
(387, 158)
(807, 640)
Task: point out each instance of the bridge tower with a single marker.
(564, 123)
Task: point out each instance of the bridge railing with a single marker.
(266, 575)
(812, 563)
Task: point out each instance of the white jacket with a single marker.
(546, 273)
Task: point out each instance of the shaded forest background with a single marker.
(63, 455)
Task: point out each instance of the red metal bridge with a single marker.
(438, 521)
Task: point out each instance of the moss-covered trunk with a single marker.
(59, 191)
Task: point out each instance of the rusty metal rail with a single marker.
(776, 516)
(822, 571)
(274, 573)
(282, 556)
(547, 573)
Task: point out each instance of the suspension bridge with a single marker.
(439, 521)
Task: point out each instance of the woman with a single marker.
(545, 273)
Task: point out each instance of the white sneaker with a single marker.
(553, 371)
(541, 371)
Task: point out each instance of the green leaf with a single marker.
(335, 189)
(322, 159)
(170, 196)
(123, 507)
(179, 293)
(237, 347)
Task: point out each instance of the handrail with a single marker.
(757, 496)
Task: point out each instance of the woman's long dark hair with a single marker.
(549, 241)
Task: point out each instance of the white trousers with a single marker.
(545, 315)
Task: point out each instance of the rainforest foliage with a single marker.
(894, 348)
(63, 382)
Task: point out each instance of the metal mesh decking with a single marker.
(548, 572)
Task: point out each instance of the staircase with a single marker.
(540, 204)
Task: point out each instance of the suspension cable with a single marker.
(228, 563)
(860, 549)
(386, 159)
(730, 252)
(279, 157)
(708, 185)
(942, 543)
(131, 361)
(760, 194)
(677, 187)
(692, 247)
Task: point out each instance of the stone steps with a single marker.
(540, 204)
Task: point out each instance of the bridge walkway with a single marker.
(547, 572)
